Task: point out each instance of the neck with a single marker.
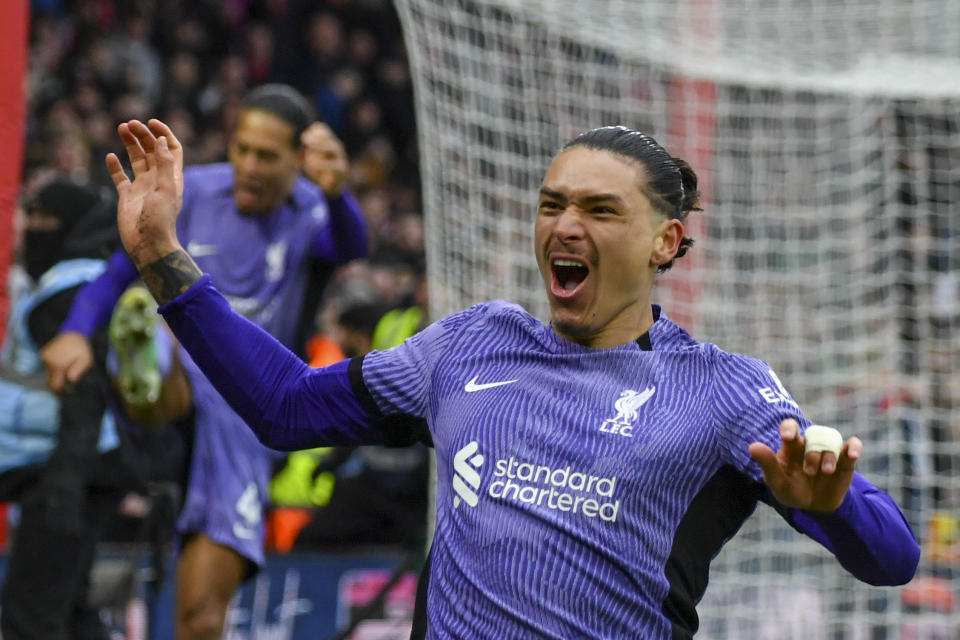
(627, 326)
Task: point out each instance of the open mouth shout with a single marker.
(568, 274)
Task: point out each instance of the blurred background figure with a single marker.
(94, 64)
(259, 225)
(61, 458)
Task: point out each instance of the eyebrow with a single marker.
(592, 198)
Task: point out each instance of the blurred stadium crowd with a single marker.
(95, 63)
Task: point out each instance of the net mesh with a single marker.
(827, 138)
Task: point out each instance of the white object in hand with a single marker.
(821, 438)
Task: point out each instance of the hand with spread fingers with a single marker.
(325, 160)
(149, 204)
(813, 481)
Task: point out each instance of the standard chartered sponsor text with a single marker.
(561, 489)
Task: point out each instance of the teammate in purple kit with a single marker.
(254, 224)
(589, 469)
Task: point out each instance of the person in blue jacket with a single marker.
(60, 457)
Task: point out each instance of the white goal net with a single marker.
(827, 137)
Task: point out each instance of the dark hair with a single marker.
(671, 183)
(286, 103)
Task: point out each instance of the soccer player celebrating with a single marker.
(590, 468)
(255, 224)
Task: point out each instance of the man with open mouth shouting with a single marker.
(589, 469)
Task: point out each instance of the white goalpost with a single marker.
(827, 137)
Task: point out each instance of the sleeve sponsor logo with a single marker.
(776, 393)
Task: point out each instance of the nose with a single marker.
(569, 225)
(247, 164)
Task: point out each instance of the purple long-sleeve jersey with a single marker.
(582, 492)
(257, 261)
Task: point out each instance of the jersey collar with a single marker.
(644, 342)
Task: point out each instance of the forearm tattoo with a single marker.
(170, 276)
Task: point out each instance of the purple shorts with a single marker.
(229, 474)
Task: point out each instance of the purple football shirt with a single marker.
(565, 472)
(581, 492)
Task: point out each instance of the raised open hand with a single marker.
(816, 481)
(148, 206)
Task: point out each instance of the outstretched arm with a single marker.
(823, 496)
(287, 404)
(867, 533)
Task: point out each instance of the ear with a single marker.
(666, 242)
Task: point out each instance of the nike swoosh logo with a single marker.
(198, 250)
(473, 386)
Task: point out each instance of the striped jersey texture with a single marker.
(564, 471)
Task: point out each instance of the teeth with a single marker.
(567, 263)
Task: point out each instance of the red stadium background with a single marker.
(13, 51)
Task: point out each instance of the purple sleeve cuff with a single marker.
(868, 534)
(347, 238)
(197, 288)
(286, 403)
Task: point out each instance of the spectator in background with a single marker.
(342, 56)
(136, 63)
(204, 50)
(325, 44)
(355, 327)
(333, 97)
(61, 460)
(183, 86)
(259, 52)
(406, 319)
(230, 83)
(254, 224)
